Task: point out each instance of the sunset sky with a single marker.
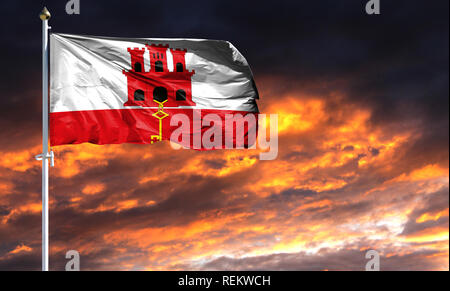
(363, 145)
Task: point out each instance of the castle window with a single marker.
(181, 95)
(139, 95)
(160, 94)
(159, 66)
(137, 67)
(179, 67)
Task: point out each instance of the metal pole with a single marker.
(45, 16)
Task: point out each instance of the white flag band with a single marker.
(100, 73)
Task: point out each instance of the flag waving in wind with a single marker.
(116, 90)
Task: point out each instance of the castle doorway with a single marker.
(160, 94)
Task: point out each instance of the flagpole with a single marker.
(46, 155)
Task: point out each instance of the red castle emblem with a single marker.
(158, 85)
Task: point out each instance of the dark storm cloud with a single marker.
(326, 259)
(181, 198)
(396, 62)
(21, 262)
(432, 204)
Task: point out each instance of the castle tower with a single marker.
(158, 57)
(179, 61)
(137, 59)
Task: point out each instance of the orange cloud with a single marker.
(21, 161)
(93, 188)
(432, 216)
(314, 197)
(426, 173)
(20, 249)
(429, 235)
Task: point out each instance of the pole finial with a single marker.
(45, 14)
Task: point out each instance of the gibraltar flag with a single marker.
(117, 90)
